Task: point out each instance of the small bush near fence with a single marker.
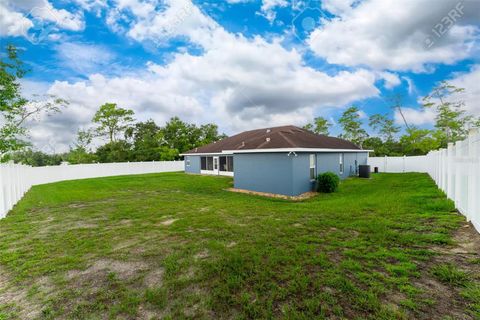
(327, 182)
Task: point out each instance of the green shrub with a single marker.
(327, 182)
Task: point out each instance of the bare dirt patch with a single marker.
(168, 222)
(154, 279)
(231, 244)
(202, 255)
(447, 299)
(123, 269)
(17, 296)
(144, 313)
(303, 196)
(125, 244)
(84, 225)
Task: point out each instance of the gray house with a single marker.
(281, 160)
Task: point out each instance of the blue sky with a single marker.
(242, 64)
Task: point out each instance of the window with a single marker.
(187, 161)
(226, 164)
(312, 167)
(341, 163)
(210, 163)
(223, 164)
(206, 163)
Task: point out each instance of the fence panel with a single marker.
(455, 170)
(16, 179)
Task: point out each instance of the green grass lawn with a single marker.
(179, 246)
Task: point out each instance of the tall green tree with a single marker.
(451, 120)
(320, 125)
(112, 121)
(418, 141)
(384, 126)
(36, 158)
(117, 151)
(352, 126)
(145, 140)
(183, 136)
(209, 133)
(16, 110)
(180, 135)
(80, 152)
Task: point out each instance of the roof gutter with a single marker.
(273, 150)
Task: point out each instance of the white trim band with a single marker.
(230, 152)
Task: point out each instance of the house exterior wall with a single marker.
(331, 162)
(263, 172)
(301, 182)
(194, 166)
(281, 173)
(328, 162)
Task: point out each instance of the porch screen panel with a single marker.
(223, 164)
(210, 163)
(230, 163)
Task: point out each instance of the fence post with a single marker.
(2, 193)
(457, 169)
(471, 180)
(450, 152)
(473, 176)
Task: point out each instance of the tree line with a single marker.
(451, 125)
(128, 140)
(125, 139)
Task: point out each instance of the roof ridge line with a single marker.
(287, 139)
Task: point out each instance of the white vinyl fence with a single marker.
(16, 179)
(455, 170)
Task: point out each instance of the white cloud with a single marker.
(362, 114)
(338, 7)
(388, 34)
(470, 82)
(269, 6)
(236, 82)
(19, 17)
(173, 19)
(391, 80)
(415, 117)
(410, 85)
(13, 23)
(83, 58)
(471, 96)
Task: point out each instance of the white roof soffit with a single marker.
(230, 152)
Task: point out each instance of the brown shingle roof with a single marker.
(272, 138)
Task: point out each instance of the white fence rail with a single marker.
(455, 170)
(16, 179)
(400, 164)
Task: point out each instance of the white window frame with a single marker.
(187, 161)
(215, 166)
(340, 162)
(313, 165)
